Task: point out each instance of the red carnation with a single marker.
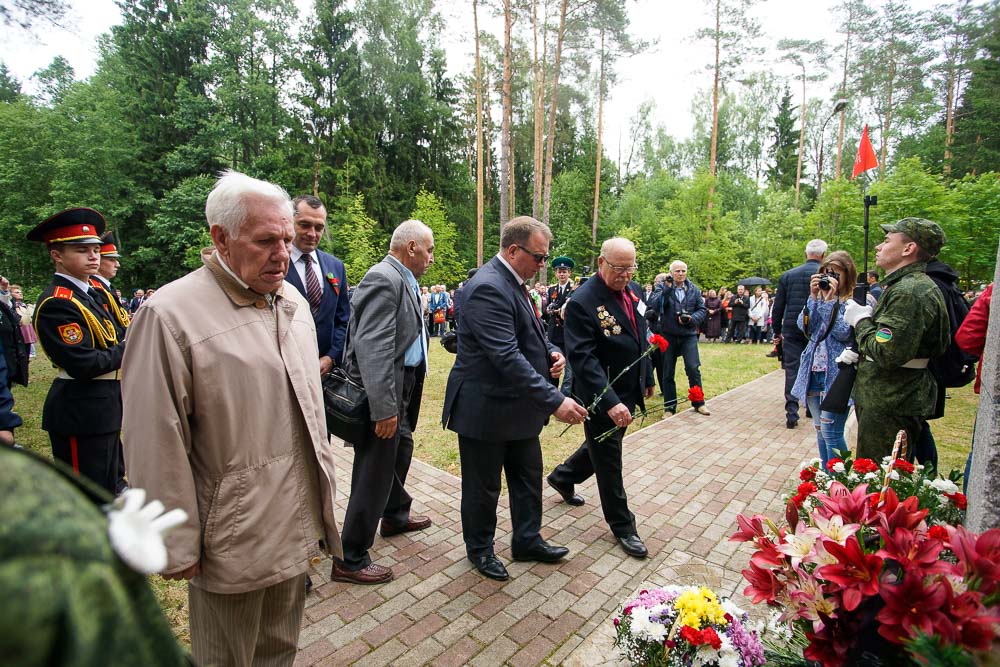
(937, 532)
(808, 474)
(833, 462)
(696, 395)
(691, 636)
(864, 465)
(805, 488)
(959, 500)
(710, 636)
(903, 464)
(659, 341)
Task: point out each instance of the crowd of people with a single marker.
(215, 404)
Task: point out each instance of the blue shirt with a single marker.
(416, 354)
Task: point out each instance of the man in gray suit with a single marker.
(387, 353)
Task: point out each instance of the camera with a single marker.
(684, 317)
(824, 281)
(670, 279)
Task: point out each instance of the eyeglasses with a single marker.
(622, 269)
(537, 256)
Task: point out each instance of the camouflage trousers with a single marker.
(877, 432)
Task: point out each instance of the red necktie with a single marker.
(314, 293)
(623, 296)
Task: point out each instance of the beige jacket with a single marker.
(211, 401)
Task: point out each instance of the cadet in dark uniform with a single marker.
(558, 296)
(895, 391)
(101, 282)
(83, 410)
(119, 315)
(66, 597)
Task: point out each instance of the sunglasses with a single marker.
(537, 256)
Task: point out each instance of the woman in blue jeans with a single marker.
(822, 321)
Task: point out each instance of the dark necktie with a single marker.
(314, 293)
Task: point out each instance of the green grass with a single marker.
(724, 367)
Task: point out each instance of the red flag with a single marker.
(866, 156)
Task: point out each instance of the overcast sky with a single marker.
(670, 74)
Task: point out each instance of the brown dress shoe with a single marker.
(373, 573)
(415, 523)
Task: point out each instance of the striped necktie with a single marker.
(314, 293)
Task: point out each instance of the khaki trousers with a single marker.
(259, 628)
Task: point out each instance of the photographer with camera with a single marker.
(676, 311)
(822, 321)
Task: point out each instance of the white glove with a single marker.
(848, 356)
(854, 312)
(137, 532)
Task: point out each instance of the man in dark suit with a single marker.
(558, 295)
(387, 353)
(501, 392)
(791, 297)
(605, 333)
(83, 409)
(138, 297)
(321, 279)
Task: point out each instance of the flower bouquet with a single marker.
(866, 577)
(685, 625)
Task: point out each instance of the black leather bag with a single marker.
(346, 402)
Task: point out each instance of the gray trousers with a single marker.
(258, 628)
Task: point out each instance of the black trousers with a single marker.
(96, 457)
(603, 459)
(378, 482)
(482, 462)
(791, 354)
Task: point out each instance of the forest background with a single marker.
(353, 101)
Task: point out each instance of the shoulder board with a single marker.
(63, 293)
(94, 282)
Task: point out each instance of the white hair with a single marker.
(227, 203)
(409, 230)
(816, 248)
(677, 263)
(616, 243)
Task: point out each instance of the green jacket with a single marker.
(65, 597)
(910, 322)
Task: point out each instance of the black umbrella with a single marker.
(754, 281)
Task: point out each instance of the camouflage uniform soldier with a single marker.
(909, 325)
(65, 597)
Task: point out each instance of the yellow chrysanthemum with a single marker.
(695, 606)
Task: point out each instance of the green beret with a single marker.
(925, 233)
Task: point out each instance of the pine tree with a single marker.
(781, 175)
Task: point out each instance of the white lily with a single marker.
(835, 529)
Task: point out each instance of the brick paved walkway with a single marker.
(687, 477)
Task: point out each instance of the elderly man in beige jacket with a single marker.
(225, 420)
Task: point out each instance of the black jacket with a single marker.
(791, 298)
(499, 388)
(665, 309)
(15, 351)
(81, 405)
(600, 342)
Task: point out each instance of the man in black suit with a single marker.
(83, 409)
(605, 332)
(793, 292)
(321, 279)
(138, 297)
(501, 392)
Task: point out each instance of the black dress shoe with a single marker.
(490, 566)
(568, 496)
(633, 546)
(543, 553)
(791, 423)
